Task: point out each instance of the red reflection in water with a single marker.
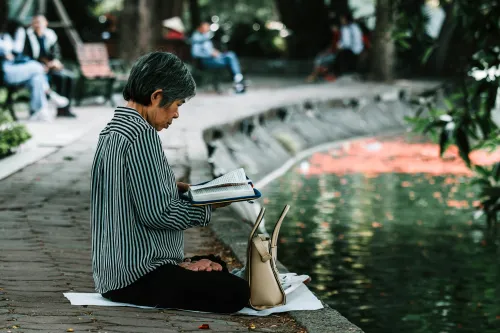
(373, 156)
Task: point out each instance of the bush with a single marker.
(12, 134)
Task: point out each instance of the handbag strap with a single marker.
(257, 223)
(276, 231)
(261, 248)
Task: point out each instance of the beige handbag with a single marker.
(261, 271)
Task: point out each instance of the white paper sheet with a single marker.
(301, 298)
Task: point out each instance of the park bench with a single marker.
(94, 65)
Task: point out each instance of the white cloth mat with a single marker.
(298, 297)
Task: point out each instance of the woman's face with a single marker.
(161, 117)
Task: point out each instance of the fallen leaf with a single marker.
(204, 327)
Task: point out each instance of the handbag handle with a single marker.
(276, 231)
(257, 223)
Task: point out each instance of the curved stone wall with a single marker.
(263, 142)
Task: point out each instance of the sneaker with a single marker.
(42, 115)
(58, 100)
(239, 88)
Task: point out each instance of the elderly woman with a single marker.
(137, 215)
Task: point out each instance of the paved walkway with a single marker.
(45, 251)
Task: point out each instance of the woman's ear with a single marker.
(156, 97)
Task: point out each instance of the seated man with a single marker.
(41, 45)
(203, 49)
(350, 46)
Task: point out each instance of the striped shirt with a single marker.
(137, 217)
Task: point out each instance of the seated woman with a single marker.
(137, 215)
(17, 70)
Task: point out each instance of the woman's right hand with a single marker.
(201, 265)
(220, 205)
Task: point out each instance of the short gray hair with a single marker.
(159, 70)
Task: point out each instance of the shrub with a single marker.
(12, 134)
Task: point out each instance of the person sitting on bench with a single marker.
(17, 70)
(40, 43)
(203, 49)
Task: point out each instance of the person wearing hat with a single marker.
(175, 28)
(203, 49)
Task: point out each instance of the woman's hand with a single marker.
(201, 265)
(182, 187)
(220, 205)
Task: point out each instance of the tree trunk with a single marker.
(308, 20)
(194, 10)
(4, 14)
(141, 25)
(383, 52)
(444, 40)
(339, 7)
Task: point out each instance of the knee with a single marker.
(231, 54)
(37, 68)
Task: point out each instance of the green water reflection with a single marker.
(389, 252)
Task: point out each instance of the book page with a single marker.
(219, 193)
(233, 177)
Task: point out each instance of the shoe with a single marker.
(239, 88)
(311, 78)
(65, 112)
(42, 115)
(58, 100)
(330, 78)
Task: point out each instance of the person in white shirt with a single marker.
(203, 49)
(350, 45)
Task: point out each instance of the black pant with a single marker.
(171, 286)
(63, 81)
(345, 62)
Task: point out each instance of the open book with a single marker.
(233, 186)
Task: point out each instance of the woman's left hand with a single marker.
(202, 265)
(182, 187)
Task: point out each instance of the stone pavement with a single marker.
(45, 251)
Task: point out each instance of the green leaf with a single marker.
(443, 142)
(404, 44)
(449, 104)
(496, 171)
(462, 142)
(492, 192)
(482, 171)
(435, 123)
(427, 54)
(480, 182)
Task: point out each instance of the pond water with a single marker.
(391, 251)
